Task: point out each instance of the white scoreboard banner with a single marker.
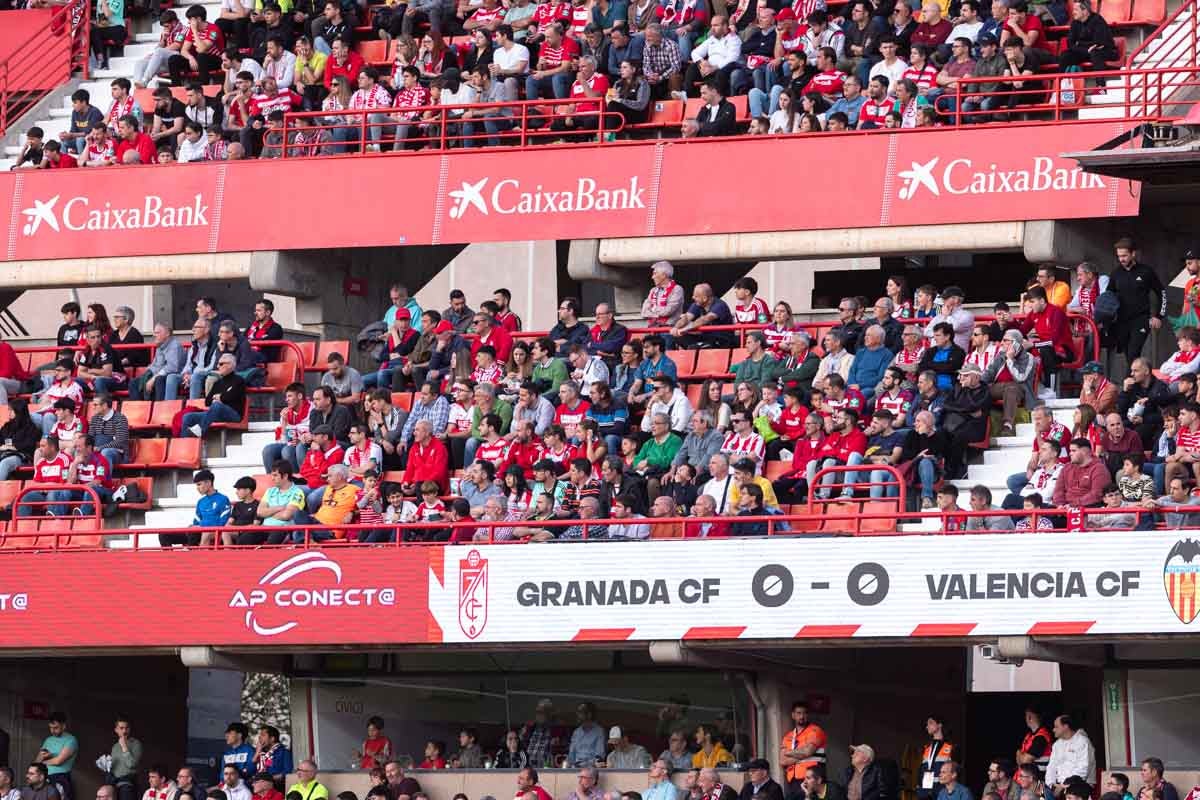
(816, 587)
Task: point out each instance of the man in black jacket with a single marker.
(1142, 400)
(1133, 282)
(226, 399)
(965, 417)
(716, 118)
(1090, 41)
(759, 783)
(818, 787)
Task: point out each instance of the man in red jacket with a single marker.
(1083, 479)
(133, 140)
(1046, 326)
(343, 61)
(427, 461)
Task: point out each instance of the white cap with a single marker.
(614, 733)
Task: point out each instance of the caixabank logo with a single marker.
(961, 176)
(302, 587)
(78, 214)
(510, 196)
(1181, 574)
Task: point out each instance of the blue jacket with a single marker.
(241, 756)
(869, 366)
(212, 511)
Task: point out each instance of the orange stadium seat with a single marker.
(712, 363)
(685, 362)
(145, 454)
(138, 413)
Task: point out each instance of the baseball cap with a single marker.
(442, 327)
(785, 13)
(1093, 367)
(970, 368)
(865, 749)
(614, 733)
(403, 313)
(988, 38)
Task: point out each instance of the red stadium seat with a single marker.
(685, 362)
(146, 484)
(8, 492)
(145, 454)
(324, 349)
(712, 362)
(163, 414)
(1148, 12)
(183, 454)
(663, 114)
(693, 393)
(1115, 12)
(85, 532)
(138, 413)
(741, 108)
(402, 400)
(775, 469)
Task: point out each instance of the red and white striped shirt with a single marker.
(264, 104)
(923, 78)
(118, 109)
(563, 456)
(551, 57)
(494, 452)
(750, 446)
(1187, 439)
(898, 404)
(827, 82)
(754, 311)
(486, 16)
(459, 420)
(552, 12)
(581, 15)
(427, 511)
(779, 340)
(66, 433)
(493, 374)
(913, 356)
(876, 112)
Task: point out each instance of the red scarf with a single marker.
(258, 330)
(294, 417)
(684, 15)
(659, 296)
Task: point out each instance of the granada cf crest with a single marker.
(1181, 575)
(472, 594)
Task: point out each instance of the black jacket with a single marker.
(1133, 287)
(1093, 31)
(338, 418)
(230, 390)
(719, 123)
(892, 333)
(1157, 397)
(872, 782)
(959, 412)
(769, 791)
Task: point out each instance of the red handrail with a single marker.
(44, 61)
(1157, 37)
(822, 523)
(895, 481)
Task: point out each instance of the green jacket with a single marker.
(556, 373)
(660, 455)
(757, 373)
(501, 407)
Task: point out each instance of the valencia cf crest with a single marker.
(473, 594)
(1181, 576)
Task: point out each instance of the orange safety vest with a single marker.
(932, 757)
(1044, 759)
(798, 737)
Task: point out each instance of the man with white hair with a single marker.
(659, 784)
(664, 303)
(892, 328)
(700, 445)
(710, 785)
(427, 460)
(226, 400)
(870, 362)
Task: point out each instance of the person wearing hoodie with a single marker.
(1071, 755)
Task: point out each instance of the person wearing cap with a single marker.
(623, 754)
(864, 780)
(264, 787)
(450, 358)
(965, 417)
(986, 96)
(802, 747)
(398, 294)
(397, 347)
(1097, 390)
(759, 784)
(1010, 378)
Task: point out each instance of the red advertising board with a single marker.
(653, 188)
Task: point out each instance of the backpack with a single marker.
(1108, 305)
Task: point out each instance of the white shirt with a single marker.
(507, 59)
(1074, 756)
(894, 73)
(1043, 482)
(719, 52)
(718, 490)
(248, 65)
(283, 69)
(595, 371)
(630, 530)
(191, 151)
(679, 409)
(239, 792)
(966, 30)
(961, 320)
(779, 122)
(465, 95)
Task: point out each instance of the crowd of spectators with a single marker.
(804, 68)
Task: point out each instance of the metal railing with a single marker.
(835, 519)
(44, 61)
(518, 123)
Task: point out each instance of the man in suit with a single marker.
(715, 118)
(759, 784)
